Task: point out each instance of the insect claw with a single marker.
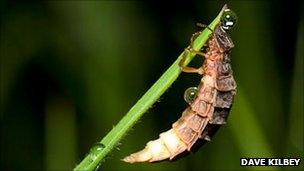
(187, 49)
(191, 50)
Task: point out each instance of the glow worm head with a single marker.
(190, 94)
(228, 19)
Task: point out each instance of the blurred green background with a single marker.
(70, 70)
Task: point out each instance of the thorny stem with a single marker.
(96, 155)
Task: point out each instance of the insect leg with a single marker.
(190, 48)
(187, 69)
(194, 36)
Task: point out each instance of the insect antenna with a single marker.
(204, 26)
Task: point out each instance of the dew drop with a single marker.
(228, 19)
(95, 150)
(190, 94)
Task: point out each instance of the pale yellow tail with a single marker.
(166, 147)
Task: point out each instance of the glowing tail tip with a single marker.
(129, 159)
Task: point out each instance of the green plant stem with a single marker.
(96, 155)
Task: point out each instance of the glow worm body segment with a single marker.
(208, 110)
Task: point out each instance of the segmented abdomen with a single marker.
(184, 133)
(204, 115)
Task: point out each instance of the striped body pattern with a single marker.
(207, 112)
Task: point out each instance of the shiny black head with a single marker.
(228, 19)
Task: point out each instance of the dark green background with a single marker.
(70, 70)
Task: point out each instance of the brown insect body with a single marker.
(207, 111)
(225, 85)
